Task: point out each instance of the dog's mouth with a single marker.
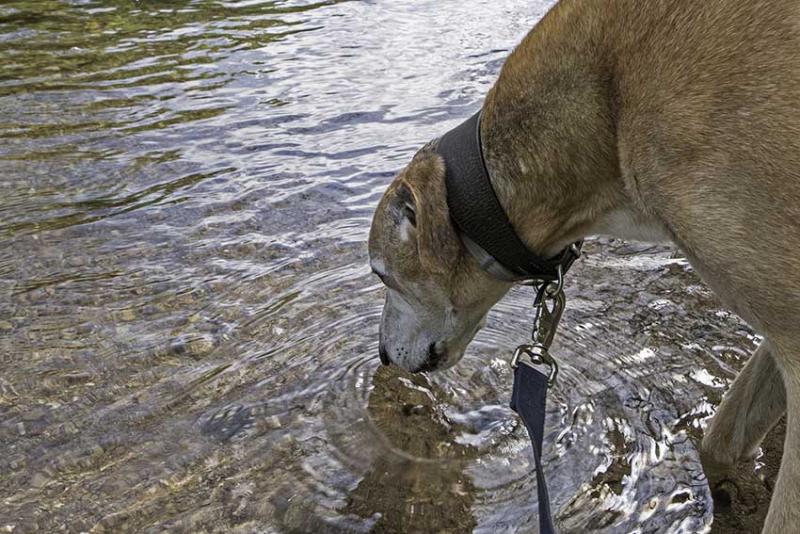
(441, 354)
(436, 353)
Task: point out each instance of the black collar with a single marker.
(483, 224)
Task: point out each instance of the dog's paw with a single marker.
(724, 493)
(730, 483)
(717, 469)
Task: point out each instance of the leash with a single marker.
(491, 239)
(529, 395)
(529, 399)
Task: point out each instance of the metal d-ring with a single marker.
(556, 286)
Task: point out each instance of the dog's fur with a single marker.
(641, 119)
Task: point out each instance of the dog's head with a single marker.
(437, 294)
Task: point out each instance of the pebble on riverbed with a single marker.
(194, 347)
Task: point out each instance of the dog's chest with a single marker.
(625, 224)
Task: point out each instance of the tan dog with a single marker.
(642, 119)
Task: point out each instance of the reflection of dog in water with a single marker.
(422, 487)
(641, 119)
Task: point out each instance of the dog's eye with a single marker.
(387, 280)
(379, 275)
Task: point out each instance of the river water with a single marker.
(188, 325)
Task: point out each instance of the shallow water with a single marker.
(188, 327)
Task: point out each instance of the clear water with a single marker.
(188, 327)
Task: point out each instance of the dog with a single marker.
(654, 120)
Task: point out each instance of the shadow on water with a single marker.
(188, 327)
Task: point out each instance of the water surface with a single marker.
(188, 326)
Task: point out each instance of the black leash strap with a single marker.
(528, 399)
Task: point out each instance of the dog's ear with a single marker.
(424, 197)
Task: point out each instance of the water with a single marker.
(188, 327)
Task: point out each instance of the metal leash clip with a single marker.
(549, 305)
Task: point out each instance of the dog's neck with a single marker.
(549, 130)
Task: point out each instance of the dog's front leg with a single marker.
(754, 403)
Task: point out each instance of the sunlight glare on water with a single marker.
(188, 325)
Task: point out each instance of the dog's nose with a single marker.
(384, 356)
